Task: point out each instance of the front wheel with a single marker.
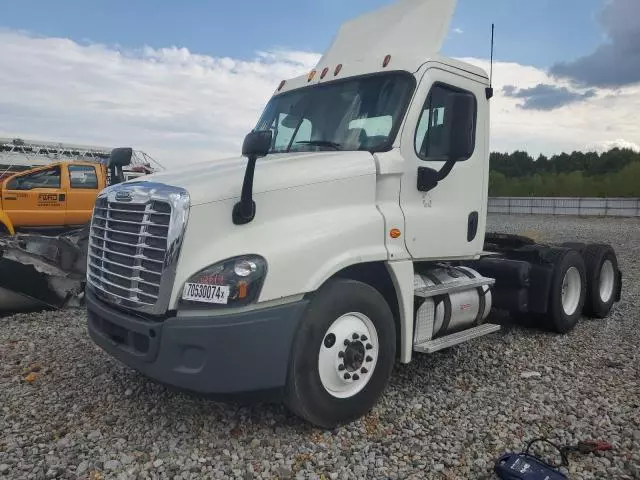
(343, 354)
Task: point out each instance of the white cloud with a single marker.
(618, 143)
(183, 107)
(459, 31)
(609, 117)
(171, 103)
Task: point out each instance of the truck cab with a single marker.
(53, 197)
(351, 237)
(59, 196)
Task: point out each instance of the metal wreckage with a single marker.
(39, 272)
(47, 271)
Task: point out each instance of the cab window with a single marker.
(433, 135)
(286, 132)
(48, 178)
(83, 176)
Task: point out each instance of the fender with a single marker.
(306, 234)
(6, 222)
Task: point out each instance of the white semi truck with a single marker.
(351, 237)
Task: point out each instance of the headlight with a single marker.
(234, 282)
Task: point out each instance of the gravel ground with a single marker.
(70, 411)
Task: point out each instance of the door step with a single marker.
(432, 346)
(453, 287)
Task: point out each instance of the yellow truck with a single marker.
(57, 197)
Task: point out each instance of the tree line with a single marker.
(615, 173)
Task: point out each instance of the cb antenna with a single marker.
(490, 88)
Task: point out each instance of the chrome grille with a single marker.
(128, 259)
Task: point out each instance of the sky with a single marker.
(185, 81)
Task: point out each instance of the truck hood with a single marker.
(222, 179)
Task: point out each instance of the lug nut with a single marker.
(364, 338)
(364, 370)
(347, 376)
(355, 336)
(341, 367)
(369, 346)
(356, 377)
(369, 359)
(340, 354)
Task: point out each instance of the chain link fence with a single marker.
(603, 207)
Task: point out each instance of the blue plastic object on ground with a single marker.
(524, 466)
(521, 466)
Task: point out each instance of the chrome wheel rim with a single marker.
(571, 290)
(607, 279)
(348, 355)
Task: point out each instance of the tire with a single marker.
(569, 276)
(339, 309)
(602, 280)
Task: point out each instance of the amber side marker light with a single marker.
(386, 61)
(312, 74)
(242, 289)
(395, 233)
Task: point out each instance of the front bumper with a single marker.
(236, 353)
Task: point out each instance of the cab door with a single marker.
(35, 199)
(82, 193)
(444, 201)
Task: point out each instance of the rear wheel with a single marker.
(343, 354)
(602, 279)
(4, 231)
(568, 291)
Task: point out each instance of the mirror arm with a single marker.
(245, 210)
(428, 178)
(446, 169)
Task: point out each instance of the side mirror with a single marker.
(257, 144)
(462, 133)
(120, 157)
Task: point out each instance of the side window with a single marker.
(83, 176)
(49, 178)
(286, 132)
(434, 134)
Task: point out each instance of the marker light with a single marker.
(395, 233)
(324, 72)
(386, 61)
(282, 84)
(337, 70)
(312, 74)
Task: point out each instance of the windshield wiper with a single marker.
(322, 143)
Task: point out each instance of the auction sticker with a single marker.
(201, 292)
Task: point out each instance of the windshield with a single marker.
(362, 113)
